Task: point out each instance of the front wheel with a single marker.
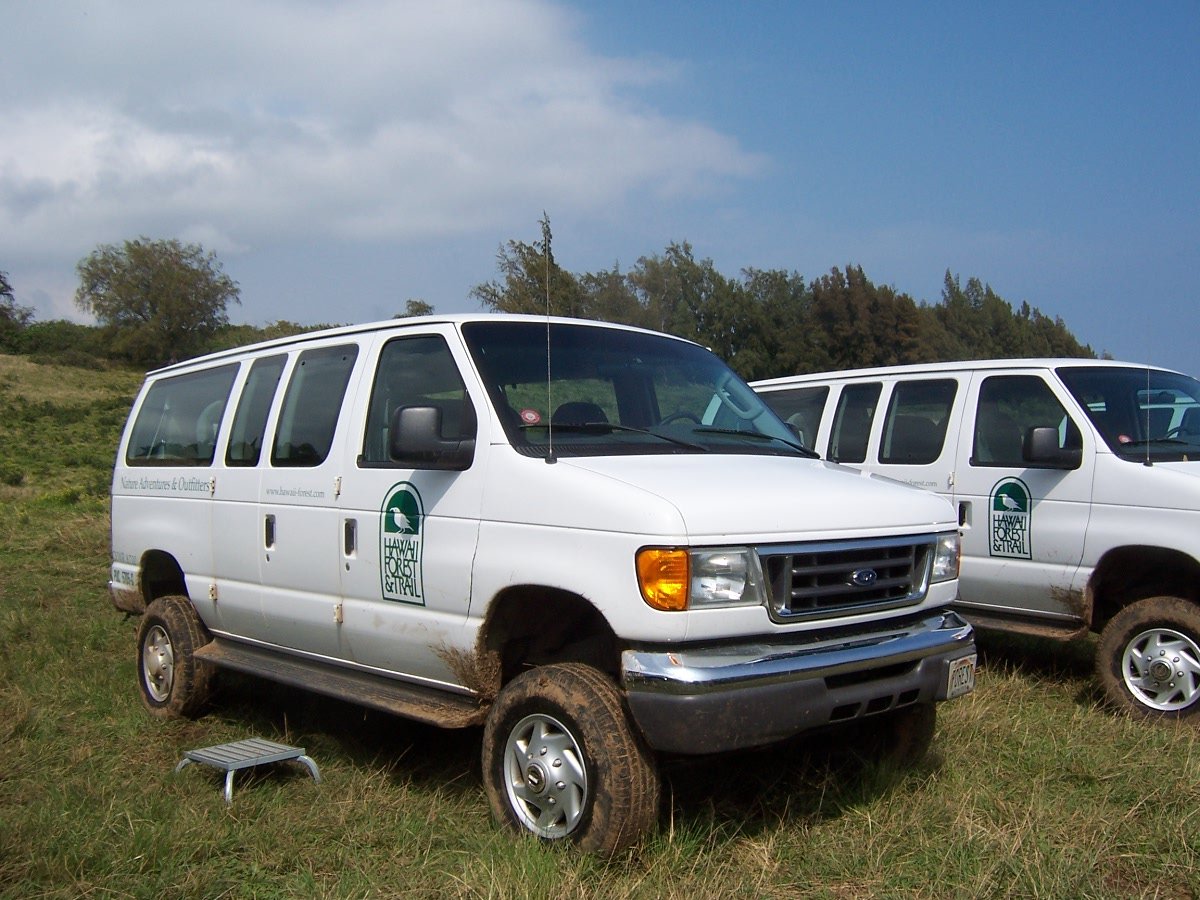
(562, 761)
(173, 682)
(1148, 658)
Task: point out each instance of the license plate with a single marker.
(961, 678)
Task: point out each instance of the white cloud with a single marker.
(243, 124)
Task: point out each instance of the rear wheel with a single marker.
(561, 760)
(1148, 658)
(174, 684)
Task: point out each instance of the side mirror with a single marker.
(1041, 450)
(416, 441)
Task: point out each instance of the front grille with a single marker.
(845, 577)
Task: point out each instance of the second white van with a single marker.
(1077, 485)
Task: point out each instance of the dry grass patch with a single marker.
(1032, 790)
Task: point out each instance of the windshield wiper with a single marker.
(758, 435)
(609, 428)
(1143, 442)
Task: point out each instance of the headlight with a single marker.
(677, 579)
(946, 558)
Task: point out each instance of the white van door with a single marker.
(297, 528)
(407, 536)
(239, 540)
(919, 433)
(1023, 525)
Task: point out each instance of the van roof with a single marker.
(969, 365)
(397, 324)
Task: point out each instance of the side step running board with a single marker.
(1058, 631)
(397, 697)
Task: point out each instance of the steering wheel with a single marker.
(676, 417)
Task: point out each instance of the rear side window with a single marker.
(250, 421)
(852, 422)
(915, 429)
(801, 408)
(178, 421)
(312, 405)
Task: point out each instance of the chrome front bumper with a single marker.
(709, 699)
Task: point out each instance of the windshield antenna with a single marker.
(549, 404)
(1147, 432)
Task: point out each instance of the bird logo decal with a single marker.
(1010, 525)
(401, 523)
(1009, 502)
(401, 544)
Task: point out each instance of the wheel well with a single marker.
(1128, 574)
(161, 575)
(531, 626)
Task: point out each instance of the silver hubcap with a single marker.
(1161, 668)
(158, 663)
(545, 776)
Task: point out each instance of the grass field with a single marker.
(1031, 789)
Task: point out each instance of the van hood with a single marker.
(1161, 485)
(763, 498)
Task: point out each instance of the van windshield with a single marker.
(581, 390)
(1142, 414)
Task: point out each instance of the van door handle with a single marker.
(269, 532)
(350, 537)
(964, 514)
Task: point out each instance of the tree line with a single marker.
(160, 301)
(773, 322)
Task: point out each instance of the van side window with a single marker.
(801, 408)
(250, 420)
(1009, 405)
(178, 421)
(311, 406)
(915, 429)
(852, 422)
(415, 371)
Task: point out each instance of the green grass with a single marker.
(1031, 790)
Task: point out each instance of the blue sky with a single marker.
(343, 158)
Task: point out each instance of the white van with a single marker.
(595, 541)
(1077, 484)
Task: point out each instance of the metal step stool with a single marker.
(244, 754)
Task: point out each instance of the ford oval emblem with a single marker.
(863, 577)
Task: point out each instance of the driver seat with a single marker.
(578, 412)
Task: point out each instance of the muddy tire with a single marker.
(561, 760)
(1148, 659)
(173, 683)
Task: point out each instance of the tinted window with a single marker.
(581, 390)
(1009, 405)
(417, 371)
(178, 421)
(852, 422)
(915, 429)
(1142, 414)
(250, 420)
(801, 408)
(311, 406)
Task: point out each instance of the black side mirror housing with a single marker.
(415, 441)
(1041, 450)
